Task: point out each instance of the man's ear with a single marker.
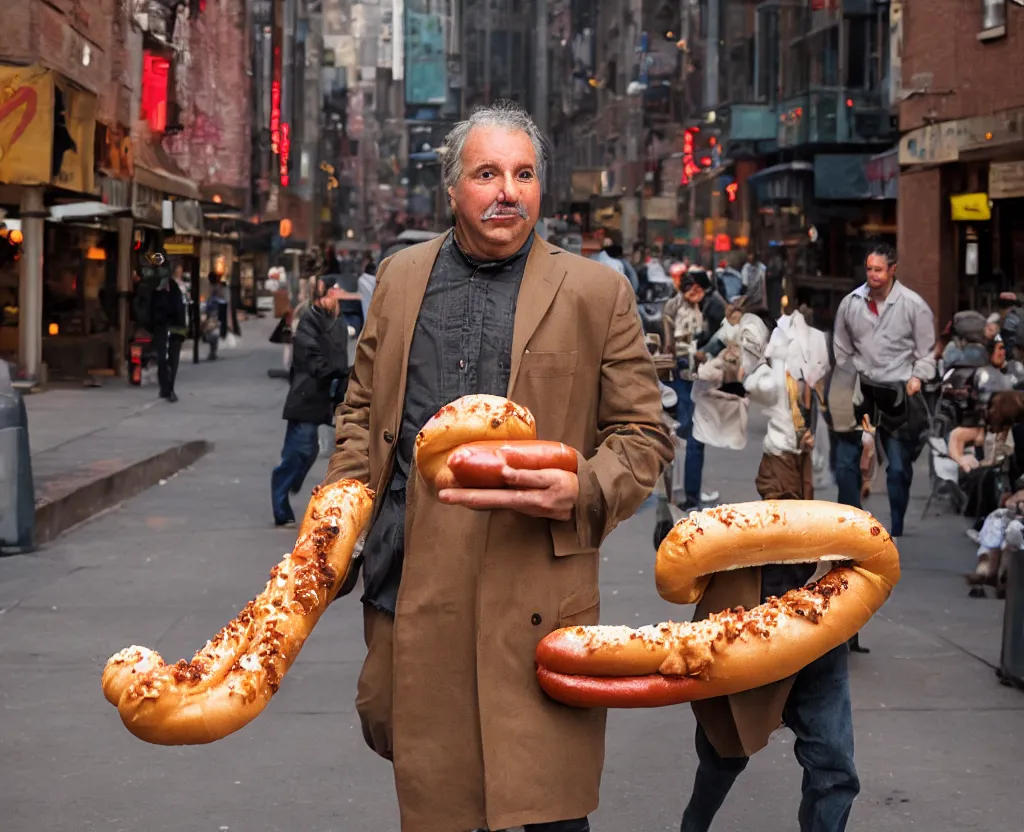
(451, 198)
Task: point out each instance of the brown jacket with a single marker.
(476, 742)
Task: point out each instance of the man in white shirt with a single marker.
(884, 337)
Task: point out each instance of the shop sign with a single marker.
(970, 207)
(934, 144)
(33, 151)
(179, 245)
(1005, 180)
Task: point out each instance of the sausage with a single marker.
(480, 464)
(618, 692)
(735, 650)
(231, 679)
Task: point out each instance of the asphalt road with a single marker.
(937, 736)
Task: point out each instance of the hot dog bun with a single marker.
(473, 418)
(229, 682)
(735, 650)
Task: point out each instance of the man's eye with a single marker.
(486, 174)
(526, 175)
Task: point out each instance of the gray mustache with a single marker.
(503, 209)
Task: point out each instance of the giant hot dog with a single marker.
(733, 650)
(230, 680)
(468, 443)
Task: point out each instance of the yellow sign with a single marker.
(47, 130)
(968, 207)
(26, 125)
(179, 245)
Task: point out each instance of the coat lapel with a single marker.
(545, 270)
(416, 278)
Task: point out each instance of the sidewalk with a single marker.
(95, 447)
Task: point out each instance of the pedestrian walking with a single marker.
(169, 317)
(815, 703)
(884, 345)
(316, 384)
(460, 589)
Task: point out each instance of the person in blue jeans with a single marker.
(885, 335)
(819, 712)
(317, 379)
(814, 704)
(695, 290)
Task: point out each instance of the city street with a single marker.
(937, 735)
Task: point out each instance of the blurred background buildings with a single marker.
(241, 135)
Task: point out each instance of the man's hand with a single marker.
(550, 493)
(913, 386)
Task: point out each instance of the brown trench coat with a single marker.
(476, 742)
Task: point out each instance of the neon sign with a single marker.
(275, 117)
(286, 153)
(731, 190)
(690, 167)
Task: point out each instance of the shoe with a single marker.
(688, 506)
(172, 397)
(285, 524)
(708, 497)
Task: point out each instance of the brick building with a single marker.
(961, 189)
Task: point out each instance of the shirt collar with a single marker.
(494, 264)
(864, 291)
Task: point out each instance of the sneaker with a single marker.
(973, 535)
(285, 524)
(708, 496)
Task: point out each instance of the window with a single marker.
(993, 15)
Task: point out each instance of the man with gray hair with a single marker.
(459, 588)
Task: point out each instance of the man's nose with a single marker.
(510, 189)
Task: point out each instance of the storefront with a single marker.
(962, 205)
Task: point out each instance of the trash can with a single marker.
(17, 494)
(1011, 660)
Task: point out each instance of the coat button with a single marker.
(535, 619)
(389, 437)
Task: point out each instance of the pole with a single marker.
(487, 51)
(541, 94)
(30, 286)
(125, 226)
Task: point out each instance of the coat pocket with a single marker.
(549, 364)
(581, 608)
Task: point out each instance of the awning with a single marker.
(155, 169)
(84, 211)
(785, 167)
(166, 182)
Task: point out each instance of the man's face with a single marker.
(497, 199)
(998, 354)
(695, 294)
(331, 299)
(879, 273)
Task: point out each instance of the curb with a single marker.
(56, 516)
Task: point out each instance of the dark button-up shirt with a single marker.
(462, 345)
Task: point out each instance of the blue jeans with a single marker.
(899, 474)
(693, 470)
(819, 712)
(300, 450)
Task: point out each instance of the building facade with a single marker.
(961, 186)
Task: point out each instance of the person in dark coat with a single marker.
(169, 319)
(317, 381)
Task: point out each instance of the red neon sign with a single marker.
(286, 153)
(690, 168)
(155, 71)
(275, 117)
(731, 189)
